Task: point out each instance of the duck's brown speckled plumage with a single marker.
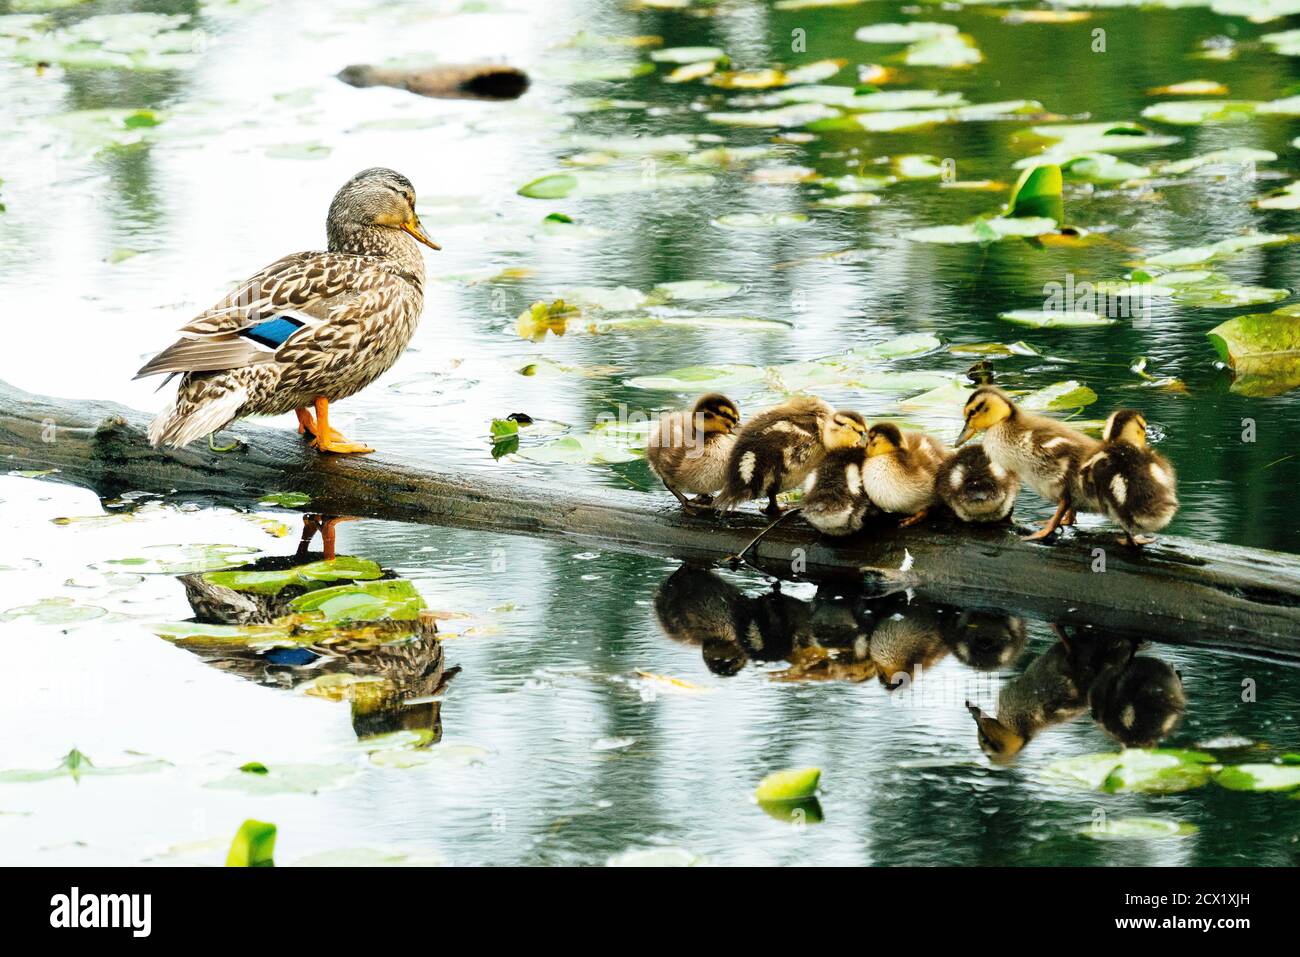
(360, 302)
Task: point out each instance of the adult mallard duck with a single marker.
(1046, 454)
(309, 329)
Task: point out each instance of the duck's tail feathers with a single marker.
(187, 420)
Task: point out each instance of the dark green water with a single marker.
(556, 751)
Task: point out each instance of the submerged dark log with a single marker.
(1236, 599)
(473, 81)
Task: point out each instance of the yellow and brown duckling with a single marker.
(900, 469)
(834, 501)
(689, 450)
(976, 488)
(1047, 455)
(775, 451)
(1136, 486)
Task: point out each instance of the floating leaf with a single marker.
(1038, 193)
(602, 183)
(1059, 397)
(287, 779)
(1195, 112)
(792, 785)
(782, 220)
(390, 598)
(543, 317)
(286, 499)
(1260, 777)
(1138, 829)
(54, 611)
(1233, 157)
(1263, 351)
(591, 449)
(343, 568)
(180, 559)
(686, 54)
(1197, 255)
(253, 846)
(1135, 770)
(76, 765)
(796, 114)
(696, 289)
(1056, 318)
(656, 857)
(983, 231)
(1286, 198)
(637, 323)
(1190, 88)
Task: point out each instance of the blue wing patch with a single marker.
(273, 333)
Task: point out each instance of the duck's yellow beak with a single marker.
(416, 229)
(966, 433)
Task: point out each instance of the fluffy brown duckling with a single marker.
(900, 469)
(976, 488)
(775, 451)
(834, 501)
(1047, 455)
(689, 450)
(1136, 486)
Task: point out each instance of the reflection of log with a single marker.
(475, 81)
(1218, 595)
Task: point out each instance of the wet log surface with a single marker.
(1235, 599)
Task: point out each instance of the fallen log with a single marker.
(1236, 599)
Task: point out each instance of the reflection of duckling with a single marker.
(976, 489)
(985, 640)
(1139, 704)
(834, 501)
(698, 606)
(1046, 454)
(900, 469)
(907, 637)
(689, 451)
(775, 451)
(1051, 690)
(1134, 484)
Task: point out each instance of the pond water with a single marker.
(590, 717)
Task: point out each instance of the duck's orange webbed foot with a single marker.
(327, 439)
(306, 424)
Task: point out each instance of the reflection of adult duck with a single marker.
(263, 630)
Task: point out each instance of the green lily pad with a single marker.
(797, 784)
(54, 611)
(1056, 319)
(1196, 112)
(1038, 193)
(782, 220)
(1225, 248)
(1236, 156)
(1288, 197)
(1263, 351)
(691, 290)
(1135, 770)
(76, 765)
(343, 568)
(1260, 777)
(1059, 397)
(907, 346)
(253, 846)
(1102, 168)
(805, 811)
(656, 857)
(287, 779)
(795, 114)
(286, 499)
(696, 378)
(637, 323)
(686, 54)
(589, 449)
(1139, 829)
(179, 559)
(984, 231)
(387, 599)
(608, 183)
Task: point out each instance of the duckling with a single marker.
(900, 469)
(689, 451)
(834, 501)
(907, 639)
(1136, 486)
(1045, 454)
(775, 451)
(975, 488)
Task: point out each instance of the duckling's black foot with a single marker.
(773, 508)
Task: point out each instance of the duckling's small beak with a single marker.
(974, 710)
(966, 433)
(416, 229)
